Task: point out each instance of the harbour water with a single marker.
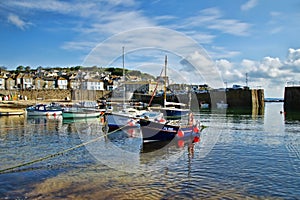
(254, 156)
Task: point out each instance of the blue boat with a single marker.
(153, 131)
(173, 110)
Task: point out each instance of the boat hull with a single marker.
(155, 131)
(118, 121)
(80, 114)
(43, 113)
(44, 110)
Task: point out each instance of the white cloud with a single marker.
(249, 5)
(270, 73)
(212, 18)
(293, 57)
(15, 20)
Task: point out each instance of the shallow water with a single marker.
(239, 156)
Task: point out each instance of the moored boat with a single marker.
(82, 110)
(71, 113)
(204, 105)
(44, 110)
(222, 105)
(154, 131)
(129, 118)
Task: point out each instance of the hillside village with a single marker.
(67, 78)
(84, 78)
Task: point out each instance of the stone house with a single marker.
(10, 83)
(49, 83)
(38, 83)
(27, 81)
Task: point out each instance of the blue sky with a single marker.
(256, 37)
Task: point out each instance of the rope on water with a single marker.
(2, 171)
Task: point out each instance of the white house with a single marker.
(62, 83)
(93, 84)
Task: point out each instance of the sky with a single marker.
(218, 42)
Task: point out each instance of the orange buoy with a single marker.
(131, 123)
(180, 133)
(196, 129)
(196, 139)
(180, 143)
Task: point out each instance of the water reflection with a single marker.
(239, 156)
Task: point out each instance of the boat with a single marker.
(155, 131)
(83, 110)
(172, 110)
(222, 105)
(128, 115)
(129, 118)
(204, 105)
(44, 110)
(72, 113)
(11, 113)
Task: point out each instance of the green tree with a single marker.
(20, 68)
(27, 69)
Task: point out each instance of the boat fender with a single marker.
(180, 143)
(180, 133)
(131, 123)
(195, 129)
(196, 139)
(161, 120)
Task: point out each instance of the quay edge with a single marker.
(240, 99)
(292, 99)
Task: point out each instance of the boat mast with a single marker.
(165, 85)
(123, 63)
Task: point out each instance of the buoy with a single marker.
(130, 123)
(196, 139)
(196, 129)
(162, 120)
(180, 133)
(180, 143)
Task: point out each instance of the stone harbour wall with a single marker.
(54, 94)
(292, 99)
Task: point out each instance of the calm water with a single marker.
(254, 156)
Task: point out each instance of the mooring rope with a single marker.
(2, 171)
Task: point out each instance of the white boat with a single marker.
(71, 113)
(44, 110)
(129, 117)
(222, 105)
(82, 110)
(204, 105)
(121, 118)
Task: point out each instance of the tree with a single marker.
(27, 69)
(20, 68)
